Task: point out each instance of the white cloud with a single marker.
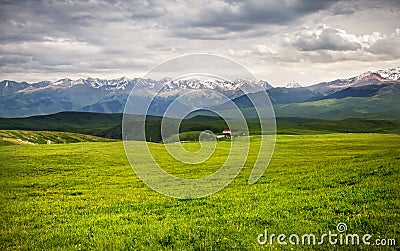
(389, 46)
(326, 38)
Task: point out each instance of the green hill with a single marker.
(22, 137)
(63, 119)
(97, 124)
(384, 105)
(109, 125)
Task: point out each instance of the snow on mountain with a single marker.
(214, 84)
(102, 95)
(380, 75)
(65, 82)
(367, 78)
(390, 74)
(125, 85)
(293, 85)
(264, 84)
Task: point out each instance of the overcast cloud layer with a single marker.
(306, 41)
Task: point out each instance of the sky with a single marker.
(280, 41)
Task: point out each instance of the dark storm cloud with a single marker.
(266, 12)
(59, 33)
(35, 20)
(240, 16)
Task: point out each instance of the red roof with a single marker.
(226, 131)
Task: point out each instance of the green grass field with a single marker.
(60, 197)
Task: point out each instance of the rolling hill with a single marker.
(350, 103)
(109, 125)
(96, 124)
(23, 137)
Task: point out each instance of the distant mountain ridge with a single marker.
(357, 91)
(9, 87)
(367, 78)
(22, 99)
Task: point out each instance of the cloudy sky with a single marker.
(306, 41)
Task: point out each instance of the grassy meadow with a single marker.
(63, 196)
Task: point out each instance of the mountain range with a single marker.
(373, 95)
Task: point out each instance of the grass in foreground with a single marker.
(56, 197)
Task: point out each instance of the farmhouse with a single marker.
(227, 133)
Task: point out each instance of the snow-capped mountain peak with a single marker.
(212, 84)
(63, 81)
(364, 79)
(390, 74)
(293, 85)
